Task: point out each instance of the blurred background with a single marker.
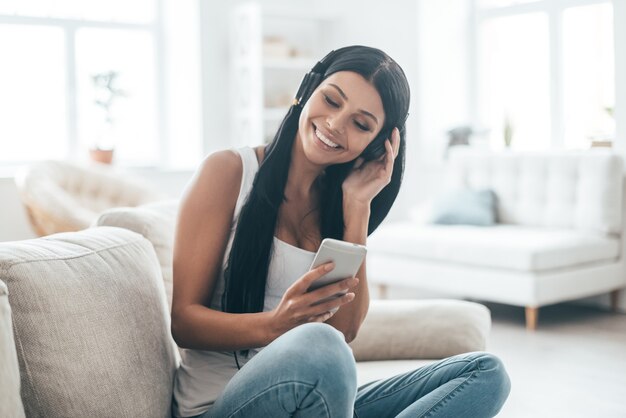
(109, 104)
(164, 83)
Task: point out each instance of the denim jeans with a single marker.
(310, 372)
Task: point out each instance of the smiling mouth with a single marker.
(324, 139)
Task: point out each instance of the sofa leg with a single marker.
(531, 318)
(614, 300)
(382, 291)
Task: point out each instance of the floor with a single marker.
(573, 365)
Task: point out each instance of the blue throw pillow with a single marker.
(465, 207)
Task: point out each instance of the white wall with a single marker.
(441, 93)
(14, 224)
(215, 95)
(619, 13)
(182, 101)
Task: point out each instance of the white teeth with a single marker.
(325, 140)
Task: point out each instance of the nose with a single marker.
(335, 123)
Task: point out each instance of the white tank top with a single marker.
(202, 375)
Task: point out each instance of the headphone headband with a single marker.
(311, 80)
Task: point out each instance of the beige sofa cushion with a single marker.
(155, 221)
(10, 401)
(421, 329)
(91, 325)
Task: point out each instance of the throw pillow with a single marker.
(465, 207)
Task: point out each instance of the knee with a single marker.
(323, 349)
(494, 375)
(323, 343)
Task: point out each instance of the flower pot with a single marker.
(103, 156)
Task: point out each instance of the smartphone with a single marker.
(347, 257)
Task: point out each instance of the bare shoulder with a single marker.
(214, 186)
(226, 162)
(219, 175)
(203, 227)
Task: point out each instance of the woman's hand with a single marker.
(368, 178)
(298, 306)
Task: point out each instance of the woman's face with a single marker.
(342, 116)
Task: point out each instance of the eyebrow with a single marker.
(365, 112)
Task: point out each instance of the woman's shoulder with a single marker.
(227, 167)
(219, 174)
(229, 160)
(226, 164)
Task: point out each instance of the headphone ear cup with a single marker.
(309, 83)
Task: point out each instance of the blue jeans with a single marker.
(310, 372)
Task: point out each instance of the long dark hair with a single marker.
(248, 263)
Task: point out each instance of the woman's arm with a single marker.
(349, 318)
(202, 232)
(360, 187)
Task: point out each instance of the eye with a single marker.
(362, 127)
(330, 102)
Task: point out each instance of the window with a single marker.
(51, 52)
(545, 72)
(33, 106)
(588, 74)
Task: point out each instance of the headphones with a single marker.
(312, 80)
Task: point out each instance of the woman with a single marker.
(248, 228)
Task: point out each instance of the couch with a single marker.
(85, 331)
(559, 234)
(63, 196)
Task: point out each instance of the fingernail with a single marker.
(329, 267)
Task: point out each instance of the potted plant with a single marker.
(106, 94)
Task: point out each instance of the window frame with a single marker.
(554, 10)
(69, 27)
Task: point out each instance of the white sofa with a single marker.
(559, 234)
(84, 323)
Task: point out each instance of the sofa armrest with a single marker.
(421, 329)
(10, 400)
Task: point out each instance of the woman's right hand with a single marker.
(298, 307)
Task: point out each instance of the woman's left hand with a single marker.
(368, 178)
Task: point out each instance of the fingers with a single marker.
(322, 317)
(389, 156)
(303, 284)
(395, 141)
(330, 305)
(330, 290)
(392, 147)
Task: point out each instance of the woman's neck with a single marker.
(303, 175)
